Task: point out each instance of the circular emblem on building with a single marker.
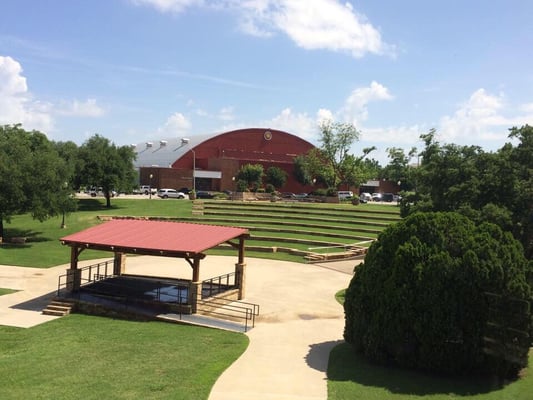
(267, 135)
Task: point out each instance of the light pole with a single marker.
(150, 187)
(185, 141)
(63, 225)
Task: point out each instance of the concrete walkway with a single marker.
(299, 322)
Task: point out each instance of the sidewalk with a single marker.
(299, 322)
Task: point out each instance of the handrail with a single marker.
(236, 309)
(89, 277)
(215, 285)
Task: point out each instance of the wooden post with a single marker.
(240, 277)
(119, 264)
(195, 289)
(73, 274)
(240, 270)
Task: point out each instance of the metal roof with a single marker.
(162, 238)
(163, 153)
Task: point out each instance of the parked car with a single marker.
(376, 197)
(204, 195)
(301, 196)
(388, 197)
(344, 194)
(170, 193)
(184, 190)
(145, 189)
(287, 195)
(99, 192)
(365, 197)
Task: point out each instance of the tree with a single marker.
(522, 164)
(252, 174)
(434, 292)
(106, 165)
(69, 152)
(332, 163)
(495, 187)
(32, 175)
(311, 167)
(276, 177)
(398, 169)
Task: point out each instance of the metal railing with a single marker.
(89, 274)
(232, 310)
(219, 284)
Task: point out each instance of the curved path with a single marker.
(299, 322)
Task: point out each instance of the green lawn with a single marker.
(6, 291)
(84, 357)
(352, 377)
(43, 248)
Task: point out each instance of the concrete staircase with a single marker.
(59, 307)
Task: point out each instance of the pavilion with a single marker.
(187, 241)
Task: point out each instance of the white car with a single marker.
(170, 193)
(377, 197)
(365, 197)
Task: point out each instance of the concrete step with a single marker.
(58, 308)
(56, 313)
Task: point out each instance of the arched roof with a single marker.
(165, 152)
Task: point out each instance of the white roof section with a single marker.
(164, 152)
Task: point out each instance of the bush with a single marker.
(431, 292)
(320, 192)
(332, 192)
(242, 186)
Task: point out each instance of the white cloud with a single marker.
(394, 135)
(88, 108)
(177, 123)
(324, 115)
(299, 124)
(16, 105)
(527, 108)
(311, 24)
(173, 6)
(328, 25)
(482, 117)
(355, 107)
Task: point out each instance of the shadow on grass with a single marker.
(95, 204)
(30, 235)
(346, 365)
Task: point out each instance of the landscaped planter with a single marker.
(332, 199)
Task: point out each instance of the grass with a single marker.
(43, 249)
(350, 376)
(99, 358)
(340, 296)
(89, 357)
(6, 291)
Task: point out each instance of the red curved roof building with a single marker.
(215, 159)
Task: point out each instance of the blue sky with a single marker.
(139, 70)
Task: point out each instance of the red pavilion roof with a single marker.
(153, 237)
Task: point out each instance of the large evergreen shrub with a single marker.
(436, 292)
